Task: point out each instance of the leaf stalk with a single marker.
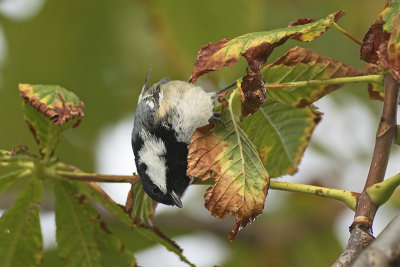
(352, 37)
(347, 197)
(356, 79)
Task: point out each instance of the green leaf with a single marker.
(281, 133)
(83, 238)
(300, 64)
(241, 181)
(49, 110)
(113, 251)
(8, 179)
(152, 233)
(256, 47)
(75, 234)
(20, 235)
(142, 206)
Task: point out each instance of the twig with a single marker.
(355, 79)
(366, 209)
(385, 250)
(347, 197)
(352, 37)
(95, 177)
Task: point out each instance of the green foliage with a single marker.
(9, 178)
(280, 129)
(83, 239)
(239, 154)
(151, 233)
(20, 235)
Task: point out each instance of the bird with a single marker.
(166, 117)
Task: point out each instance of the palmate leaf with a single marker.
(300, 64)
(82, 238)
(95, 192)
(241, 181)
(49, 110)
(20, 235)
(256, 47)
(281, 133)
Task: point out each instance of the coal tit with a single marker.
(166, 117)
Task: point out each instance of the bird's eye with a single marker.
(156, 190)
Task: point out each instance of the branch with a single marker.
(385, 250)
(366, 209)
(356, 79)
(385, 137)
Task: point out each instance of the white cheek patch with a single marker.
(152, 155)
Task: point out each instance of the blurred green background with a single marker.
(101, 50)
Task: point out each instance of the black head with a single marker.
(169, 198)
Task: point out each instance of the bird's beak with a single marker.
(176, 199)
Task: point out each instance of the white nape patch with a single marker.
(153, 155)
(192, 105)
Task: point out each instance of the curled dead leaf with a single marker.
(252, 93)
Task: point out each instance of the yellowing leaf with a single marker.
(256, 47)
(54, 102)
(300, 64)
(394, 48)
(241, 181)
(49, 110)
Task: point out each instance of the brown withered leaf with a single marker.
(252, 92)
(226, 154)
(256, 47)
(374, 47)
(301, 22)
